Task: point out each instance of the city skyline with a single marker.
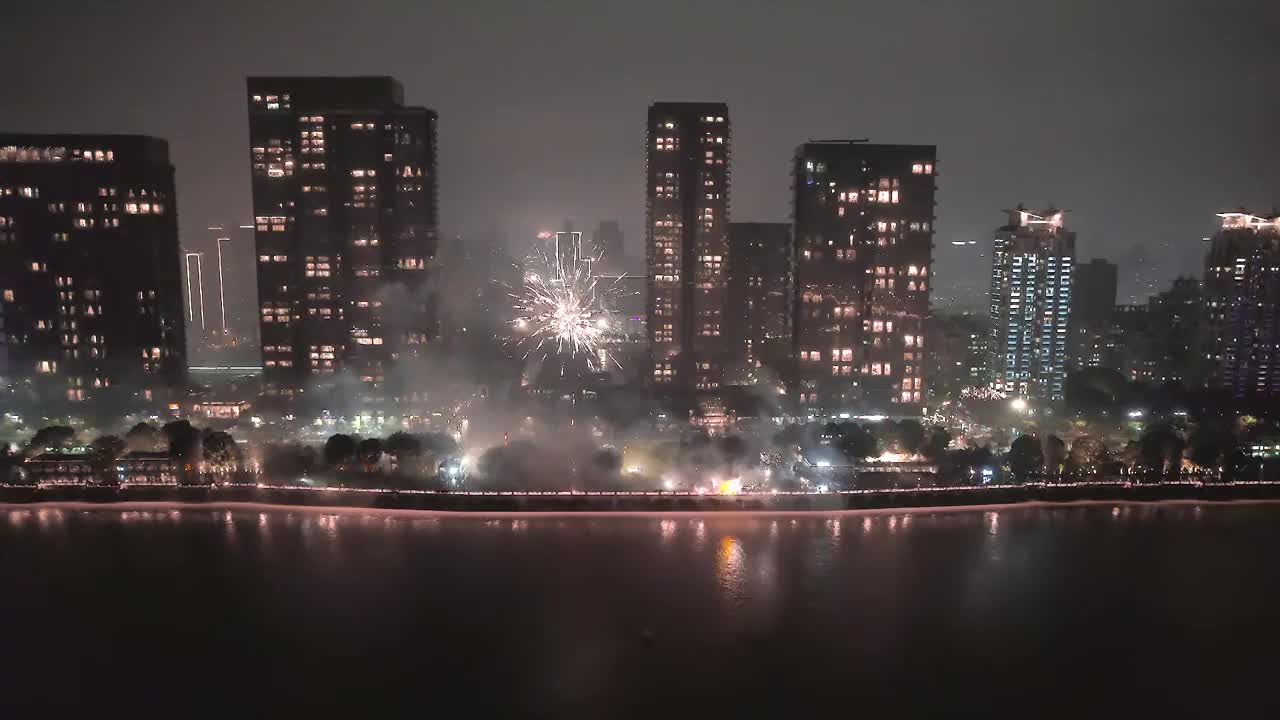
(582, 165)
(596, 359)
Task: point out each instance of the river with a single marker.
(166, 609)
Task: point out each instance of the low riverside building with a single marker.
(147, 468)
(60, 467)
(887, 471)
(220, 409)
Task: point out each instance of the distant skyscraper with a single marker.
(1143, 275)
(956, 352)
(344, 196)
(235, 307)
(193, 273)
(1242, 285)
(1127, 344)
(757, 321)
(687, 186)
(1176, 322)
(476, 278)
(1031, 269)
(1094, 304)
(221, 307)
(607, 241)
(863, 239)
(90, 273)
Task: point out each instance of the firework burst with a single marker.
(563, 308)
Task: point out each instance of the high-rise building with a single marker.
(1242, 288)
(90, 273)
(864, 217)
(1127, 345)
(1162, 340)
(1095, 303)
(758, 322)
(956, 356)
(687, 244)
(477, 278)
(344, 197)
(1031, 270)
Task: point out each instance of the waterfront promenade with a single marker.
(647, 501)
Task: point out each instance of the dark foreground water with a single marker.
(185, 610)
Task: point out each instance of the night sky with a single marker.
(1142, 118)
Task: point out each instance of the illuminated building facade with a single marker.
(1242, 288)
(1031, 273)
(758, 323)
(344, 197)
(90, 271)
(863, 240)
(687, 243)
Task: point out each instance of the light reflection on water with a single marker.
(731, 568)
(732, 538)
(668, 530)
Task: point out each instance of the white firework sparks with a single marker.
(564, 308)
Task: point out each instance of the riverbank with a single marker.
(491, 502)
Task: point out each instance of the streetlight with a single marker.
(1018, 404)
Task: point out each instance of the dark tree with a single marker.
(339, 450)
(1024, 456)
(287, 462)
(935, 445)
(831, 430)
(1086, 452)
(523, 465)
(219, 450)
(603, 468)
(1160, 449)
(183, 439)
(145, 437)
(1096, 392)
(54, 437)
(439, 444)
(403, 445)
(9, 461)
(1055, 453)
(369, 451)
(858, 442)
(909, 436)
(105, 450)
(960, 465)
(1213, 445)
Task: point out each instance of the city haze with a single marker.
(1143, 119)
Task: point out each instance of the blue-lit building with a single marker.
(1031, 264)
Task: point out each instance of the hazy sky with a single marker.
(1142, 118)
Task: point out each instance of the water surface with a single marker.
(167, 609)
